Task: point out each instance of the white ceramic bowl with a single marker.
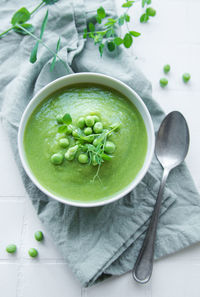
(104, 81)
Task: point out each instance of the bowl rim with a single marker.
(105, 200)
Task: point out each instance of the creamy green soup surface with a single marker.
(72, 180)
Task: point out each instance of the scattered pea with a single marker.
(109, 147)
(166, 68)
(64, 142)
(83, 158)
(81, 123)
(70, 154)
(59, 119)
(57, 159)
(39, 235)
(32, 252)
(89, 120)
(186, 77)
(11, 248)
(88, 131)
(163, 82)
(98, 127)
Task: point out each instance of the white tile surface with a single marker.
(171, 37)
(8, 279)
(48, 280)
(118, 287)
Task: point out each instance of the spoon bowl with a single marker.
(172, 140)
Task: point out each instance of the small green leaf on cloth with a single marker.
(21, 16)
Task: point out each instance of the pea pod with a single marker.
(70, 154)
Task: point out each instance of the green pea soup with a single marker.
(72, 180)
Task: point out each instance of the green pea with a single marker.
(166, 68)
(88, 131)
(96, 142)
(32, 252)
(59, 119)
(70, 154)
(11, 248)
(81, 123)
(109, 147)
(89, 120)
(163, 82)
(69, 130)
(96, 118)
(64, 142)
(39, 235)
(151, 11)
(98, 127)
(57, 159)
(83, 158)
(186, 77)
(75, 133)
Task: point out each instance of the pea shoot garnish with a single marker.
(90, 141)
(20, 22)
(109, 35)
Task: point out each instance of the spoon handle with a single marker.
(144, 263)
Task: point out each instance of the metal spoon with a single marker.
(172, 145)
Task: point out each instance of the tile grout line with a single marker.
(19, 286)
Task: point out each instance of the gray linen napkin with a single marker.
(101, 241)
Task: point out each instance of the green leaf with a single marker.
(128, 4)
(98, 19)
(127, 40)
(50, 2)
(111, 46)
(147, 2)
(121, 20)
(111, 20)
(62, 129)
(44, 23)
(150, 11)
(101, 12)
(91, 27)
(109, 33)
(28, 27)
(118, 40)
(67, 119)
(98, 38)
(144, 18)
(33, 56)
(127, 17)
(101, 47)
(106, 157)
(134, 33)
(85, 33)
(54, 58)
(21, 16)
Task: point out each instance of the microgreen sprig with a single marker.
(20, 26)
(109, 35)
